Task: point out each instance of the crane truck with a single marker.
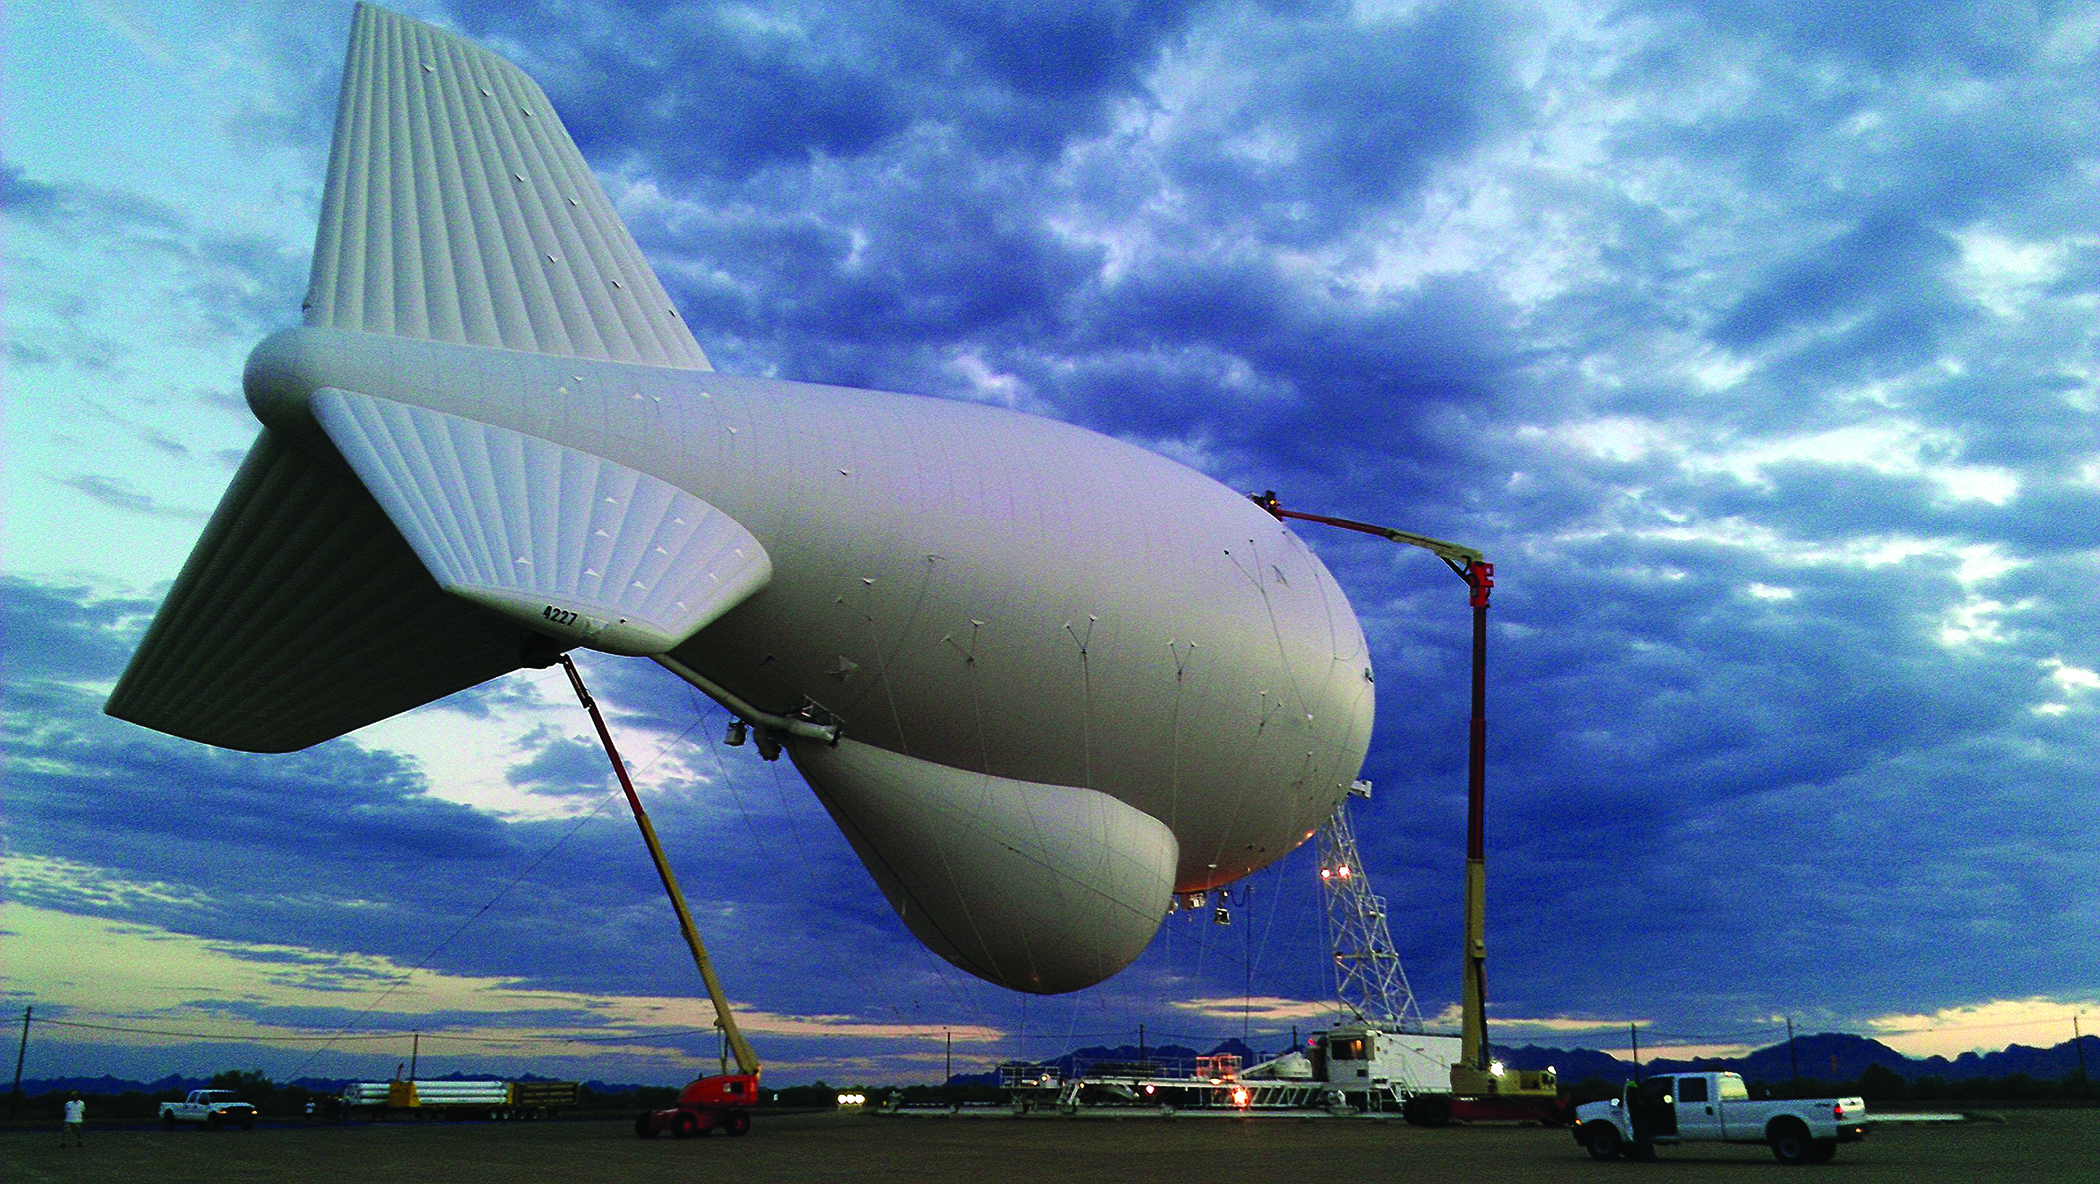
(720, 1101)
(1480, 1086)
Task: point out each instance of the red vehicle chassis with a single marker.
(711, 1103)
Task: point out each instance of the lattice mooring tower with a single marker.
(1368, 979)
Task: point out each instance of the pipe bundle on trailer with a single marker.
(365, 1093)
(459, 1093)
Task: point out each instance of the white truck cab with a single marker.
(1716, 1107)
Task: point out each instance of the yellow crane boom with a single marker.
(746, 1059)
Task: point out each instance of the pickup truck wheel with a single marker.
(1791, 1144)
(167, 1122)
(210, 1123)
(1604, 1141)
(643, 1128)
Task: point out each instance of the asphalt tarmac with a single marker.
(2032, 1145)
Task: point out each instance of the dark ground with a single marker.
(2030, 1145)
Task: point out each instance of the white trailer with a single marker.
(1375, 1067)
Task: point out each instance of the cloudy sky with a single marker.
(1754, 341)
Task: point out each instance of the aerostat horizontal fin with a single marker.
(563, 542)
(301, 615)
(458, 209)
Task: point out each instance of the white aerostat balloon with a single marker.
(1042, 678)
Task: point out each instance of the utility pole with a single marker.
(1634, 1031)
(1793, 1056)
(15, 1098)
(2077, 1045)
(1247, 954)
(415, 1051)
(1141, 1044)
(948, 1076)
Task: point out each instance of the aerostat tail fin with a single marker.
(458, 209)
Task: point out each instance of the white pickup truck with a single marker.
(210, 1108)
(1716, 1107)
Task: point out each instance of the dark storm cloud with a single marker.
(903, 251)
(120, 495)
(1664, 750)
(1692, 668)
(226, 286)
(65, 633)
(560, 765)
(1986, 39)
(85, 208)
(731, 90)
(921, 214)
(1886, 251)
(1368, 380)
(339, 847)
(1326, 120)
(23, 196)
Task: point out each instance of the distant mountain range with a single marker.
(1828, 1056)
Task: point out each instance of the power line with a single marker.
(500, 892)
(222, 1037)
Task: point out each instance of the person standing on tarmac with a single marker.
(76, 1118)
(1643, 1123)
